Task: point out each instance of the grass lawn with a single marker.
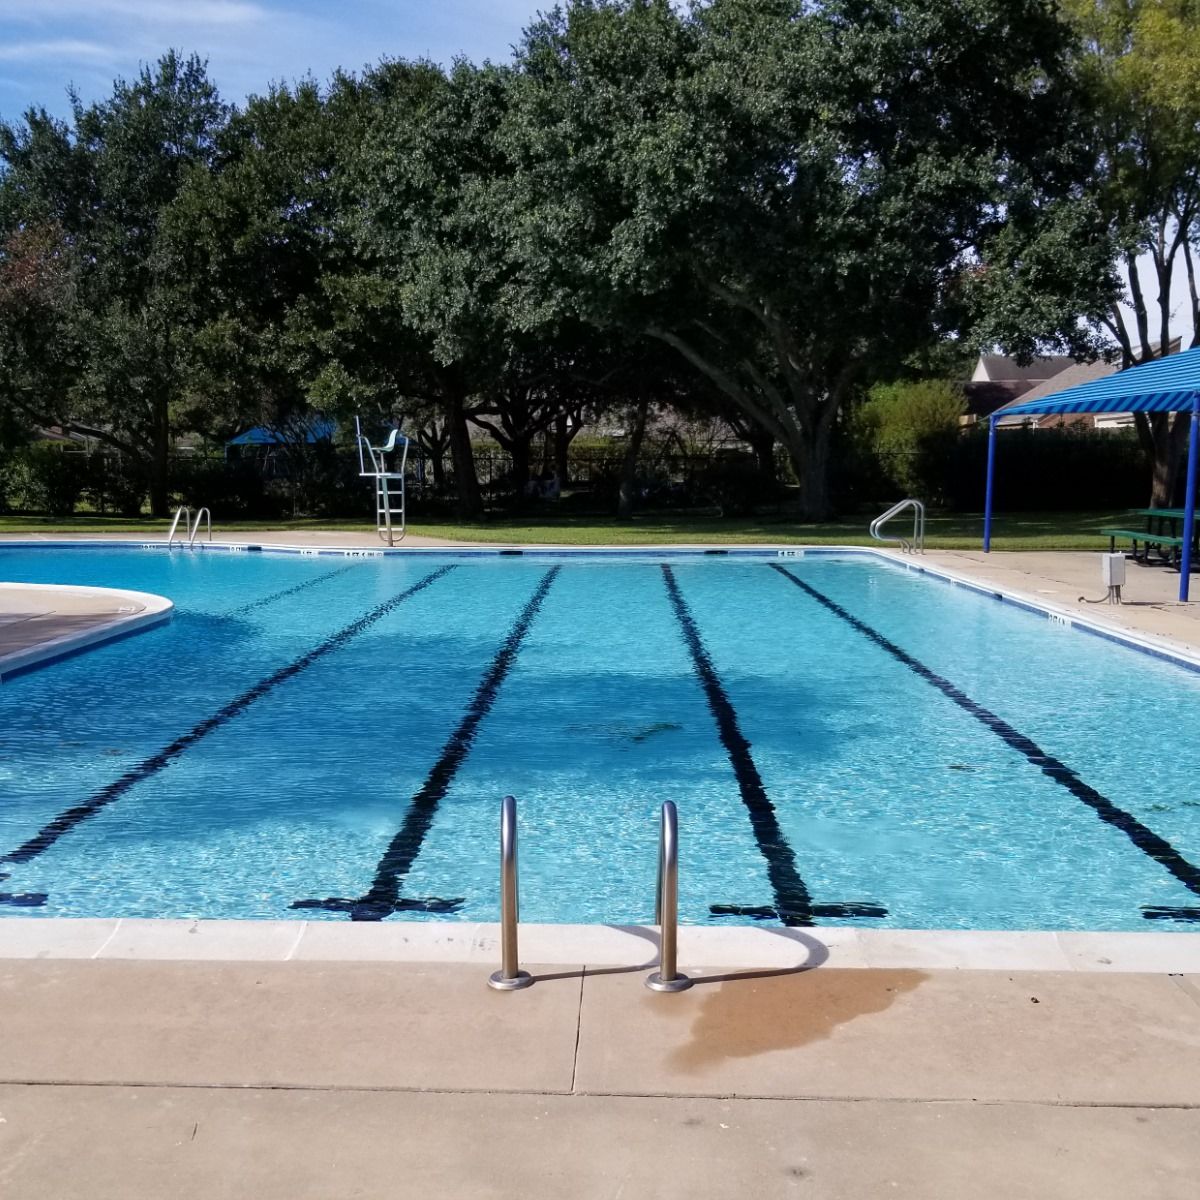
(1014, 531)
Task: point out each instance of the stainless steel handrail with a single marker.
(917, 545)
(175, 523)
(196, 527)
(510, 977)
(666, 906)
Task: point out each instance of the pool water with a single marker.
(848, 742)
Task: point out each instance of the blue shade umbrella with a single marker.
(1170, 384)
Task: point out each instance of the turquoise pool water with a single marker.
(847, 742)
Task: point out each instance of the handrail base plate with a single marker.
(656, 983)
(509, 983)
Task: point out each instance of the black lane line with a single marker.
(242, 609)
(66, 821)
(384, 897)
(1144, 838)
(1162, 912)
(793, 902)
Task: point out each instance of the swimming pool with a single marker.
(848, 742)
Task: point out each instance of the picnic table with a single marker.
(1160, 535)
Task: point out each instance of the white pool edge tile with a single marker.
(149, 940)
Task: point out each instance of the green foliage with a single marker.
(910, 430)
(230, 489)
(751, 209)
(82, 219)
(783, 193)
(45, 479)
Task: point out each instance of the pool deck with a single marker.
(40, 623)
(311, 1079)
(329, 1059)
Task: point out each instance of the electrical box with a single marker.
(1112, 570)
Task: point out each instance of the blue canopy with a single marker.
(1164, 385)
(1168, 384)
(317, 429)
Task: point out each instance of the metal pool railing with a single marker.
(917, 545)
(180, 516)
(510, 977)
(666, 906)
(667, 978)
(196, 527)
(190, 529)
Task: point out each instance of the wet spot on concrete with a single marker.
(742, 1018)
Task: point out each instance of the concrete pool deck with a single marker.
(43, 622)
(297, 1080)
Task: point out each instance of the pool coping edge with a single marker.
(137, 939)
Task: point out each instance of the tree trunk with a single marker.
(809, 453)
(564, 435)
(518, 451)
(626, 497)
(432, 442)
(1164, 438)
(762, 442)
(466, 482)
(160, 463)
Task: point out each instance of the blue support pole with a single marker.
(991, 475)
(1189, 500)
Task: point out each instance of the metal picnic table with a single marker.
(1162, 534)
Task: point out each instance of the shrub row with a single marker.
(1045, 469)
(47, 479)
(1036, 470)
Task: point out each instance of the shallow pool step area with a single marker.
(41, 623)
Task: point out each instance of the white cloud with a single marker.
(62, 49)
(158, 12)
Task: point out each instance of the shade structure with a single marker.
(1164, 385)
(292, 433)
(1170, 384)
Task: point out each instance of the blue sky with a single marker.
(47, 44)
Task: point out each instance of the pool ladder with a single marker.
(190, 529)
(511, 978)
(917, 544)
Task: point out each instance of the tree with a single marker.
(40, 354)
(786, 194)
(1140, 65)
(422, 175)
(97, 190)
(911, 427)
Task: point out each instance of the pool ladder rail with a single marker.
(511, 978)
(917, 543)
(190, 528)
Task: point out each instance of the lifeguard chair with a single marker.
(389, 481)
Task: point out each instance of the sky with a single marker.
(45, 45)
